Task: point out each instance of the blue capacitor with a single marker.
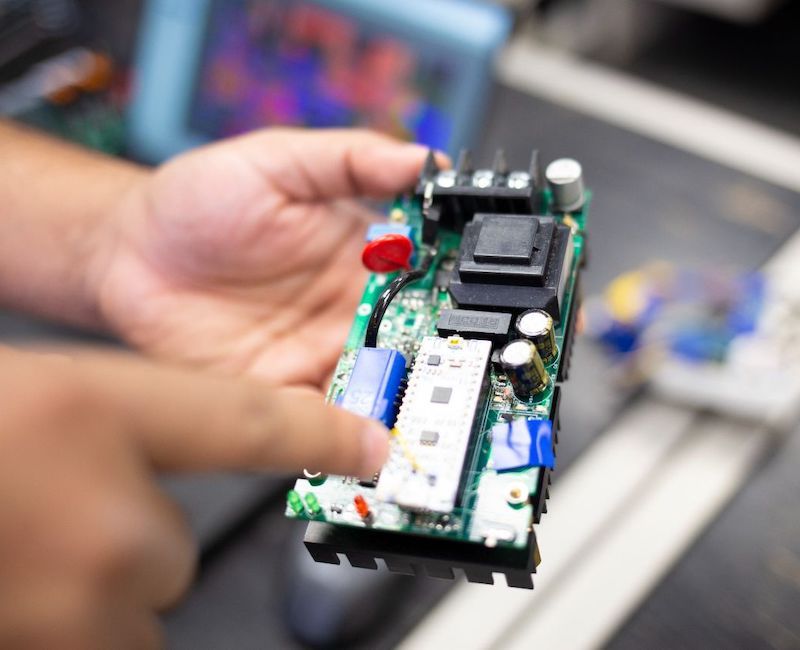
(374, 384)
(522, 443)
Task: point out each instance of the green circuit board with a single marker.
(487, 512)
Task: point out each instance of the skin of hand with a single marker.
(241, 257)
(90, 549)
(244, 256)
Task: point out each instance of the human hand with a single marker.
(244, 256)
(90, 549)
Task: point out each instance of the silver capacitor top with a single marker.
(524, 368)
(537, 326)
(565, 178)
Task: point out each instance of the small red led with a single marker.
(388, 253)
(361, 506)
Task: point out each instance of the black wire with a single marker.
(389, 294)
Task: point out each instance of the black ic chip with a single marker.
(472, 324)
(434, 359)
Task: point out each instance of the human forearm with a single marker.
(54, 201)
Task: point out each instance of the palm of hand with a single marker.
(222, 263)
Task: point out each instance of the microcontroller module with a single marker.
(459, 346)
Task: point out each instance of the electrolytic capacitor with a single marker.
(536, 325)
(524, 368)
(565, 178)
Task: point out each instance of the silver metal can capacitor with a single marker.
(537, 326)
(565, 178)
(524, 368)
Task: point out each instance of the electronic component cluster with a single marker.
(458, 346)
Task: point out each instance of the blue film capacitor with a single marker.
(375, 381)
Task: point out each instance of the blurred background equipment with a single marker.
(705, 337)
(32, 29)
(53, 76)
(418, 70)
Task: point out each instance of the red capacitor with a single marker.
(388, 253)
(361, 506)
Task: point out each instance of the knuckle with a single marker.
(146, 543)
(116, 543)
(108, 554)
(183, 559)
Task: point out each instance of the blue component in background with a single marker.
(374, 383)
(744, 315)
(699, 344)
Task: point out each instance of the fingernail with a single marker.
(375, 448)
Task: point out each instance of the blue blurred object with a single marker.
(380, 229)
(697, 343)
(418, 69)
(743, 316)
(690, 314)
(620, 338)
(374, 384)
(522, 443)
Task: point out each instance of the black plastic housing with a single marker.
(513, 283)
(453, 207)
(488, 325)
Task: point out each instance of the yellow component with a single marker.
(395, 432)
(570, 223)
(455, 341)
(625, 296)
(397, 216)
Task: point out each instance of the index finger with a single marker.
(187, 420)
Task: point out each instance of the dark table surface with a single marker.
(739, 585)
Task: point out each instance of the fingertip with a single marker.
(396, 166)
(374, 448)
(416, 154)
(442, 159)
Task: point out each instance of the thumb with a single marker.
(325, 164)
(187, 420)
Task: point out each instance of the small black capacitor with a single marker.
(537, 326)
(524, 368)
